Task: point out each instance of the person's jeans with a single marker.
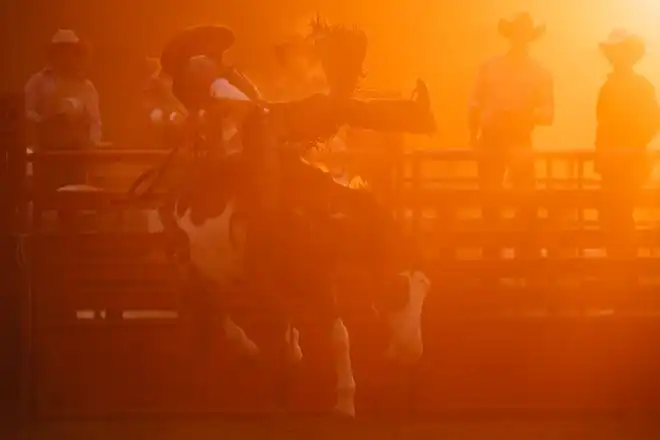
(496, 159)
(622, 177)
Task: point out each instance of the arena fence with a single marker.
(112, 323)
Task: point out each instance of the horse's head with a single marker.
(341, 50)
(328, 57)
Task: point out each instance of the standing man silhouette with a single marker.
(628, 119)
(513, 94)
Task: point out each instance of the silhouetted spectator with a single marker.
(628, 119)
(62, 106)
(512, 95)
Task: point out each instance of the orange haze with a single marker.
(441, 41)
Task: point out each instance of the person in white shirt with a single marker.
(162, 114)
(62, 106)
(61, 92)
(512, 95)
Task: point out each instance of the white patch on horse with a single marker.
(229, 130)
(29, 169)
(156, 116)
(292, 340)
(236, 334)
(214, 256)
(223, 89)
(406, 324)
(345, 379)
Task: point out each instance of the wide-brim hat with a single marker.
(203, 40)
(70, 39)
(621, 43)
(521, 26)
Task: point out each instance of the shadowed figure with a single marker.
(513, 94)
(299, 224)
(62, 112)
(62, 106)
(161, 110)
(628, 119)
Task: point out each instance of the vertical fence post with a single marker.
(416, 191)
(15, 349)
(8, 345)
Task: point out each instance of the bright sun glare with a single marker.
(643, 16)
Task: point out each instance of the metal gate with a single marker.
(488, 346)
(11, 141)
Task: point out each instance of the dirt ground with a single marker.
(272, 428)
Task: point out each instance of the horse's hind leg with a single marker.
(331, 326)
(344, 369)
(237, 336)
(210, 309)
(292, 338)
(405, 319)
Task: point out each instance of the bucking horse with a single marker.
(262, 220)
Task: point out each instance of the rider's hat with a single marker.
(68, 39)
(205, 40)
(521, 27)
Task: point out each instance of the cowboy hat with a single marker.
(65, 36)
(521, 26)
(620, 36)
(68, 38)
(622, 44)
(209, 40)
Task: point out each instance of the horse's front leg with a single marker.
(403, 313)
(292, 339)
(332, 326)
(210, 303)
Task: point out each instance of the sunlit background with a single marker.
(441, 41)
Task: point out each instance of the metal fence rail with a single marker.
(505, 333)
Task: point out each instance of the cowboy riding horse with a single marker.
(300, 225)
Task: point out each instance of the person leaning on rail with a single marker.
(162, 113)
(512, 95)
(628, 118)
(62, 106)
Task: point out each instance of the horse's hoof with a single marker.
(343, 412)
(295, 355)
(248, 349)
